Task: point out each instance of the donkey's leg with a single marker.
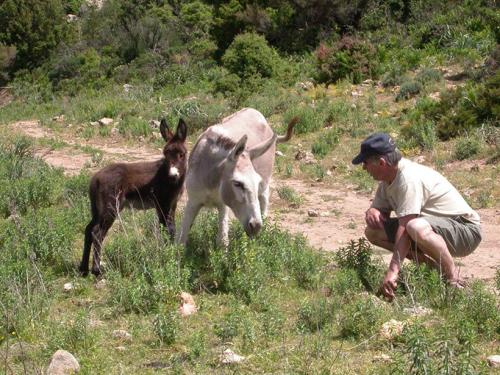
(84, 265)
(264, 201)
(190, 212)
(166, 216)
(99, 234)
(223, 235)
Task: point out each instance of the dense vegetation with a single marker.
(283, 305)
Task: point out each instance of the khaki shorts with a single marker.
(461, 236)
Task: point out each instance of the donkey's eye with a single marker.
(239, 185)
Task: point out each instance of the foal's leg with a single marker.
(166, 218)
(99, 233)
(84, 265)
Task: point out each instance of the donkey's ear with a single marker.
(238, 149)
(165, 131)
(181, 132)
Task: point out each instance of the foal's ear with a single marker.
(181, 132)
(165, 131)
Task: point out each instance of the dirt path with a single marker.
(340, 210)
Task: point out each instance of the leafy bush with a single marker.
(408, 89)
(394, 76)
(314, 315)
(325, 143)
(420, 134)
(466, 147)
(428, 75)
(463, 109)
(350, 57)
(361, 317)
(250, 55)
(166, 327)
(290, 195)
(357, 255)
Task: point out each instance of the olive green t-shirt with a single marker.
(420, 190)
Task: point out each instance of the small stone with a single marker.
(101, 284)
(68, 286)
(105, 121)
(115, 131)
(121, 334)
(127, 87)
(63, 363)
(71, 18)
(279, 153)
(312, 213)
(493, 360)
(417, 311)
(154, 124)
(121, 348)
(381, 358)
(228, 356)
(59, 118)
(94, 123)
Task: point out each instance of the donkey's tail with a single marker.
(289, 131)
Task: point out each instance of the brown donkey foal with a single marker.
(142, 185)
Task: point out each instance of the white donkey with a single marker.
(230, 166)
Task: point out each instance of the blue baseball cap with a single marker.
(375, 144)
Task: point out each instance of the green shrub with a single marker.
(325, 143)
(313, 315)
(420, 134)
(408, 89)
(250, 55)
(345, 283)
(166, 326)
(350, 57)
(427, 75)
(310, 119)
(357, 255)
(394, 76)
(466, 147)
(361, 317)
(290, 195)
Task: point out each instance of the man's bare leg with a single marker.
(434, 246)
(379, 238)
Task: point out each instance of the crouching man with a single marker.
(433, 222)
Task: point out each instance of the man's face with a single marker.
(374, 166)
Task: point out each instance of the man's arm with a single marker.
(401, 249)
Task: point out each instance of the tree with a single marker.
(33, 27)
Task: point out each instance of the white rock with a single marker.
(187, 307)
(71, 18)
(127, 87)
(105, 121)
(392, 329)
(94, 123)
(68, 286)
(63, 363)
(228, 356)
(494, 360)
(121, 334)
(279, 153)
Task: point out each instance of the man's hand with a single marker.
(389, 285)
(375, 219)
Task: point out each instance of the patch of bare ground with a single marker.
(336, 210)
(72, 158)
